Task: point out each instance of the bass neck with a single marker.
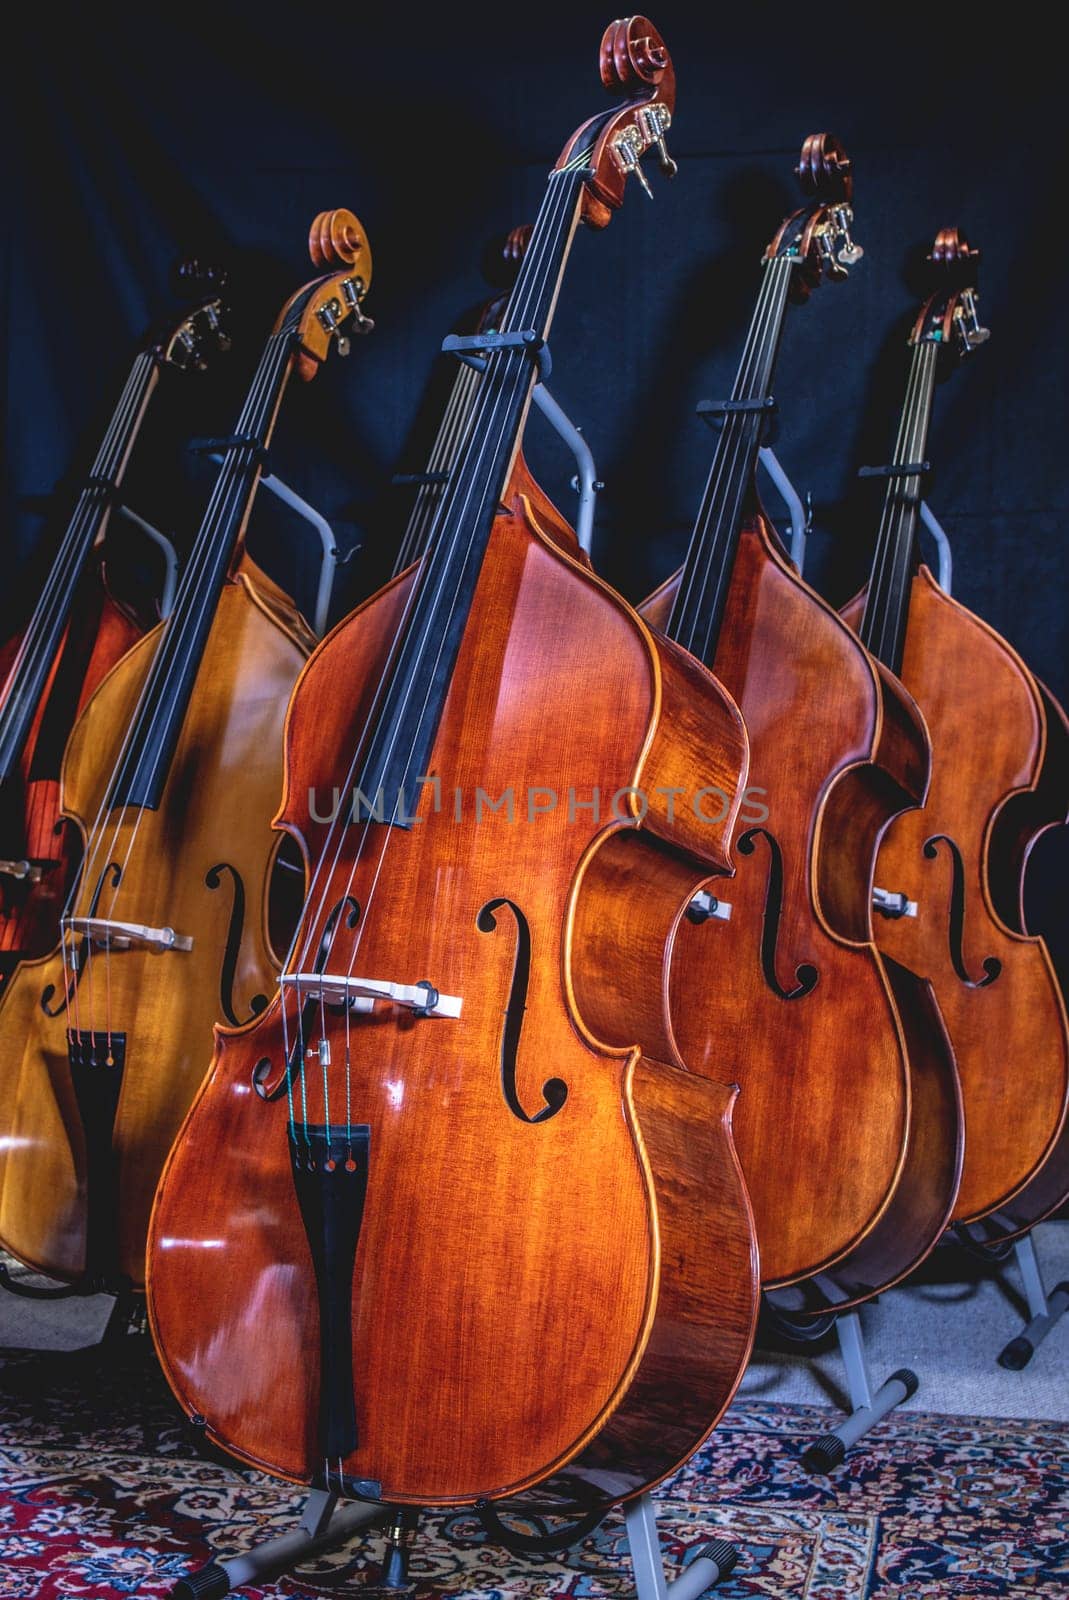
(399, 740)
(883, 627)
(32, 668)
(152, 739)
(698, 611)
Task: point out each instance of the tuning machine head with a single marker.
(646, 132)
(196, 338)
(971, 333)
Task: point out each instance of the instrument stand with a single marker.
(325, 1525)
(868, 1406)
(802, 520)
(1044, 1310)
(331, 558)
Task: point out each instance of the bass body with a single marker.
(91, 1126)
(522, 1180)
(848, 1123)
(962, 861)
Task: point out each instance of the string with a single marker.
(717, 525)
(714, 529)
(441, 459)
(524, 314)
(190, 580)
(498, 394)
(322, 873)
(232, 491)
(28, 672)
(883, 624)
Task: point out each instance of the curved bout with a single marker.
(554, 1090)
(806, 974)
(956, 918)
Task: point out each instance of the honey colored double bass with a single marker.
(172, 775)
(1000, 776)
(848, 1123)
(425, 1237)
(77, 632)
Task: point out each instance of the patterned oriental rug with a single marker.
(104, 1492)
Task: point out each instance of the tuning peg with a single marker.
(211, 317)
(967, 320)
(848, 252)
(353, 290)
(627, 147)
(331, 316)
(656, 120)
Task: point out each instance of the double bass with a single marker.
(1000, 777)
(171, 775)
(848, 1122)
(424, 1237)
(77, 632)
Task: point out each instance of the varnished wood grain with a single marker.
(523, 1290)
(824, 1118)
(217, 807)
(999, 776)
(100, 632)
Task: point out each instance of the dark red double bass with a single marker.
(848, 1121)
(77, 633)
(1000, 777)
(425, 1237)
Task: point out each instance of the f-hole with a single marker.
(805, 973)
(213, 878)
(80, 952)
(554, 1090)
(262, 1070)
(956, 924)
(329, 927)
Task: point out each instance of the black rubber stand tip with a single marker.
(723, 1553)
(1017, 1354)
(825, 1455)
(909, 1381)
(1060, 1288)
(208, 1583)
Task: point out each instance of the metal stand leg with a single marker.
(586, 482)
(712, 1562)
(323, 1526)
(868, 1407)
(800, 518)
(331, 558)
(945, 573)
(1044, 1309)
(167, 551)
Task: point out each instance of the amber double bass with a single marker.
(848, 1122)
(1000, 776)
(76, 634)
(424, 1237)
(172, 775)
